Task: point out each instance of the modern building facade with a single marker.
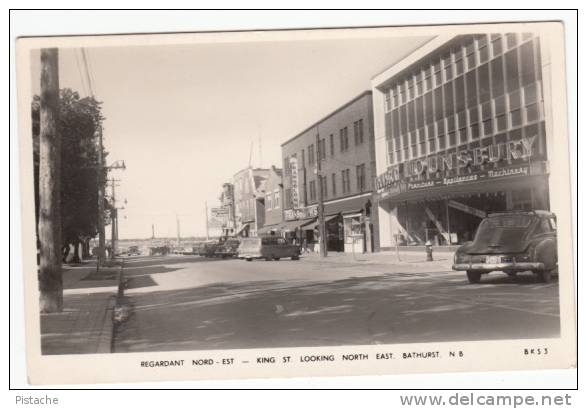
(461, 130)
(344, 143)
(249, 200)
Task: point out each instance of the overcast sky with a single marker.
(183, 117)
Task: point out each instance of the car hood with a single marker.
(499, 241)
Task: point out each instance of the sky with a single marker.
(185, 118)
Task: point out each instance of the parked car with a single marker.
(511, 242)
(268, 248)
(133, 251)
(208, 249)
(228, 248)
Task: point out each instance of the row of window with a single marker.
(497, 96)
(272, 200)
(498, 115)
(343, 136)
(361, 184)
(460, 59)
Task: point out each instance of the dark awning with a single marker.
(351, 205)
(294, 224)
(313, 225)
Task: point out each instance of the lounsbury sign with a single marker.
(521, 149)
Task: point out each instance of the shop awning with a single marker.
(269, 228)
(243, 229)
(294, 224)
(352, 205)
(313, 225)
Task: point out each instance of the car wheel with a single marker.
(544, 276)
(249, 259)
(276, 258)
(295, 257)
(474, 277)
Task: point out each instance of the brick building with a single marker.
(347, 153)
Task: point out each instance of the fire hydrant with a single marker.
(429, 251)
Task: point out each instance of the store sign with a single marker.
(395, 178)
(219, 212)
(295, 194)
(302, 213)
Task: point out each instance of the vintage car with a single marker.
(511, 242)
(228, 248)
(133, 251)
(268, 248)
(208, 249)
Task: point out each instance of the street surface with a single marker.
(194, 303)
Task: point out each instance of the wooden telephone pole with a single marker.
(321, 226)
(49, 229)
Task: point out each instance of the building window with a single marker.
(268, 201)
(331, 144)
(496, 46)
(322, 149)
(361, 178)
(358, 131)
(333, 183)
(483, 49)
(312, 191)
(311, 158)
(276, 199)
(346, 181)
(324, 186)
(344, 139)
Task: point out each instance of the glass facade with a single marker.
(481, 89)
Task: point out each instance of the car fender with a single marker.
(544, 251)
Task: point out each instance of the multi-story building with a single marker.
(249, 200)
(343, 142)
(227, 209)
(272, 190)
(461, 129)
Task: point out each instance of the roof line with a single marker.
(340, 108)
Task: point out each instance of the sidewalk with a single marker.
(440, 259)
(85, 324)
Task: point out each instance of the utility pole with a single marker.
(178, 231)
(114, 218)
(152, 231)
(49, 229)
(207, 230)
(101, 195)
(321, 226)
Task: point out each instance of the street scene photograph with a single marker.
(294, 189)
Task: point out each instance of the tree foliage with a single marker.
(79, 119)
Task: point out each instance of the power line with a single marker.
(81, 75)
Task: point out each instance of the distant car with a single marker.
(133, 251)
(229, 248)
(208, 249)
(268, 248)
(511, 242)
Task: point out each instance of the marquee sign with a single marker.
(302, 213)
(295, 194)
(396, 178)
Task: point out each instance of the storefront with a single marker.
(462, 129)
(445, 205)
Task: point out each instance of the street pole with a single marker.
(321, 227)
(114, 219)
(101, 194)
(49, 228)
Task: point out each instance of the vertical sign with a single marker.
(295, 201)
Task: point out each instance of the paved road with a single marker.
(193, 303)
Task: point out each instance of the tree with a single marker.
(79, 119)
